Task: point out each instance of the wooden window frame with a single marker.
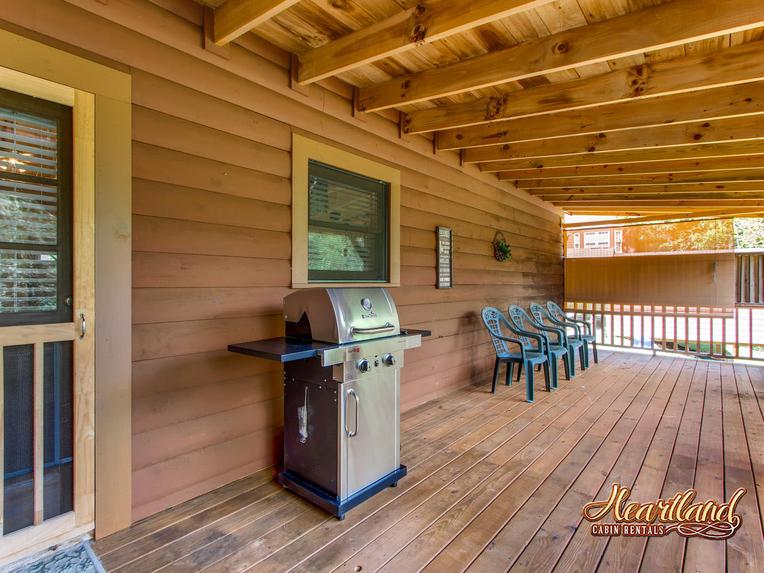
(63, 116)
(101, 99)
(305, 149)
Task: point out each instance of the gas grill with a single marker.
(342, 356)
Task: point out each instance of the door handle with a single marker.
(352, 393)
(83, 326)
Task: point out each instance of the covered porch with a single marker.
(172, 170)
(498, 484)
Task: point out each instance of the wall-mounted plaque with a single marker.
(445, 258)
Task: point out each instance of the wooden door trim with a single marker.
(101, 97)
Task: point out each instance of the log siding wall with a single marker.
(211, 223)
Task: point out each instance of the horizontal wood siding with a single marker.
(211, 228)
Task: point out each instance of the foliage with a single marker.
(501, 250)
(749, 233)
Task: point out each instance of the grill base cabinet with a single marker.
(341, 439)
(341, 393)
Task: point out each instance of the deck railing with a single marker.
(715, 332)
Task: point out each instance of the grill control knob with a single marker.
(362, 365)
(389, 360)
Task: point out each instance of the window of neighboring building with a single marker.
(576, 240)
(618, 240)
(345, 217)
(596, 239)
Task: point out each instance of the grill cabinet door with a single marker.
(373, 451)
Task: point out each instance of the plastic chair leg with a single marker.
(566, 365)
(583, 356)
(510, 368)
(553, 368)
(528, 382)
(547, 382)
(594, 351)
(519, 371)
(495, 374)
(571, 362)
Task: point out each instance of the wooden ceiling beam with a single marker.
(663, 26)
(422, 23)
(697, 215)
(237, 17)
(707, 177)
(721, 197)
(729, 101)
(730, 66)
(644, 167)
(685, 203)
(696, 188)
(632, 156)
(716, 131)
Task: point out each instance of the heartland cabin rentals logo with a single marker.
(710, 520)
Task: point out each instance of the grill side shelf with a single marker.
(280, 349)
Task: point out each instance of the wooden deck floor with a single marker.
(496, 484)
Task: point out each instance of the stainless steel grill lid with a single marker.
(341, 315)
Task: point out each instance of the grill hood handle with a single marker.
(373, 329)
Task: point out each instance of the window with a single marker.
(576, 240)
(618, 240)
(596, 239)
(35, 210)
(345, 217)
(347, 226)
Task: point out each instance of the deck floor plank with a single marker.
(700, 555)
(496, 484)
(570, 547)
(745, 550)
(536, 489)
(510, 542)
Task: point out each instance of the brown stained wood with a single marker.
(663, 26)
(520, 448)
(644, 167)
(235, 532)
(682, 152)
(707, 177)
(236, 17)
(700, 105)
(754, 427)
(669, 550)
(699, 189)
(722, 130)
(685, 203)
(723, 198)
(507, 544)
(503, 483)
(421, 23)
(690, 72)
(709, 477)
(744, 550)
(578, 547)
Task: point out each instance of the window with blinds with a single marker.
(348, 220)
(35, 210)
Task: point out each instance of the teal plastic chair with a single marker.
(558, 348)
(521, 322)
(586, 336)
(529, 356)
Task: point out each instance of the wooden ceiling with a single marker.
(628, 107)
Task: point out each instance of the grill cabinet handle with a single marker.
(352, 393)
(373, 329)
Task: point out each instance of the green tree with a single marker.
(749, 233)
